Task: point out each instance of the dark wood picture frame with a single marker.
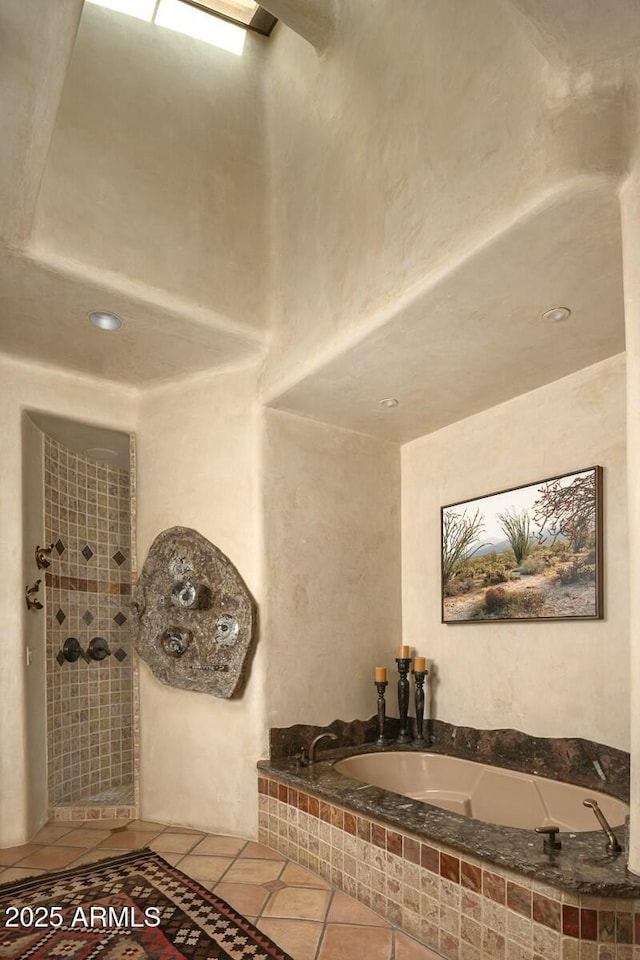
(528, 553)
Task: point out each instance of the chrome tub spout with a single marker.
(612, 841)
(316, 741)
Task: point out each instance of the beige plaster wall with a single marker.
(431, 129)
(28, 104)
(199, 466)
(630, 208)
(23, 387)
(331, 503)
(156, 167)
(34, 630)
(551, 679)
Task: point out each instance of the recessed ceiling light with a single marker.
(105, 320)
(101, 453)
(389, 402)
(556, 314)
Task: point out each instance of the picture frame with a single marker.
(532, 552)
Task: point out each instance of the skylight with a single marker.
(223, 23)
(241, 10)
(184, 18)
(141, 9)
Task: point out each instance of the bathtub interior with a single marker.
(492, 794)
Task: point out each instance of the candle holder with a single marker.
(382, 713)
(404, 664)
(419, 677)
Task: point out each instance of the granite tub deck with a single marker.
(583, 865)
(466, 888)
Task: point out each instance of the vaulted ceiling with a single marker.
(387, 213)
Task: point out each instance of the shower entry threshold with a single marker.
(114, 803)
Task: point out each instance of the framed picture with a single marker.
(530, 553)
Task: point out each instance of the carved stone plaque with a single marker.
(194, 617)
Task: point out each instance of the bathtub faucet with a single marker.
(612, 841)
(316, 741)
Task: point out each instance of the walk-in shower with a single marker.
(89, 675)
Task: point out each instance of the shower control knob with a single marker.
(98, 649)
(71, 649)
(550, 844)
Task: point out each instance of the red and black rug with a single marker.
(132, 907)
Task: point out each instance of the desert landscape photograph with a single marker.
(529, 553)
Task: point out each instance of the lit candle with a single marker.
(381, 674)
(419, 665)
(403, 653)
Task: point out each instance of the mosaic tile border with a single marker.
(457, 905)
(57, 582)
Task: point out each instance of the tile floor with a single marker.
(306, 916)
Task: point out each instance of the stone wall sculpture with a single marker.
(194, 617)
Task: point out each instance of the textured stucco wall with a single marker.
(332, 568)
(156, 168)
(22, 387)
(410, 139)
(28, 105)
(547, 679)
(199, 466)
(630, 206)
(432, 126)
(34, 635)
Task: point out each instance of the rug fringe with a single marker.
(12, 886)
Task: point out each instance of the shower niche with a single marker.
(89, 665)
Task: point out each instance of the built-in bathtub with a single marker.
(439, 866)
(584, 864)
(484, 792)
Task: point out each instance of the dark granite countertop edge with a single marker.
(583, 866)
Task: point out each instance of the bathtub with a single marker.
(491, 794)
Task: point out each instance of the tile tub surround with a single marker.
(583, 866)
(89, 704)
(456, 903)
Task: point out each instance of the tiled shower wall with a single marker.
(89, 703)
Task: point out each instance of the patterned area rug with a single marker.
(132, 907)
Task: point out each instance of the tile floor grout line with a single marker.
(160, 830)
(320, 942)
(324, 927)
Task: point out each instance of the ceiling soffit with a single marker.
(471, 337)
